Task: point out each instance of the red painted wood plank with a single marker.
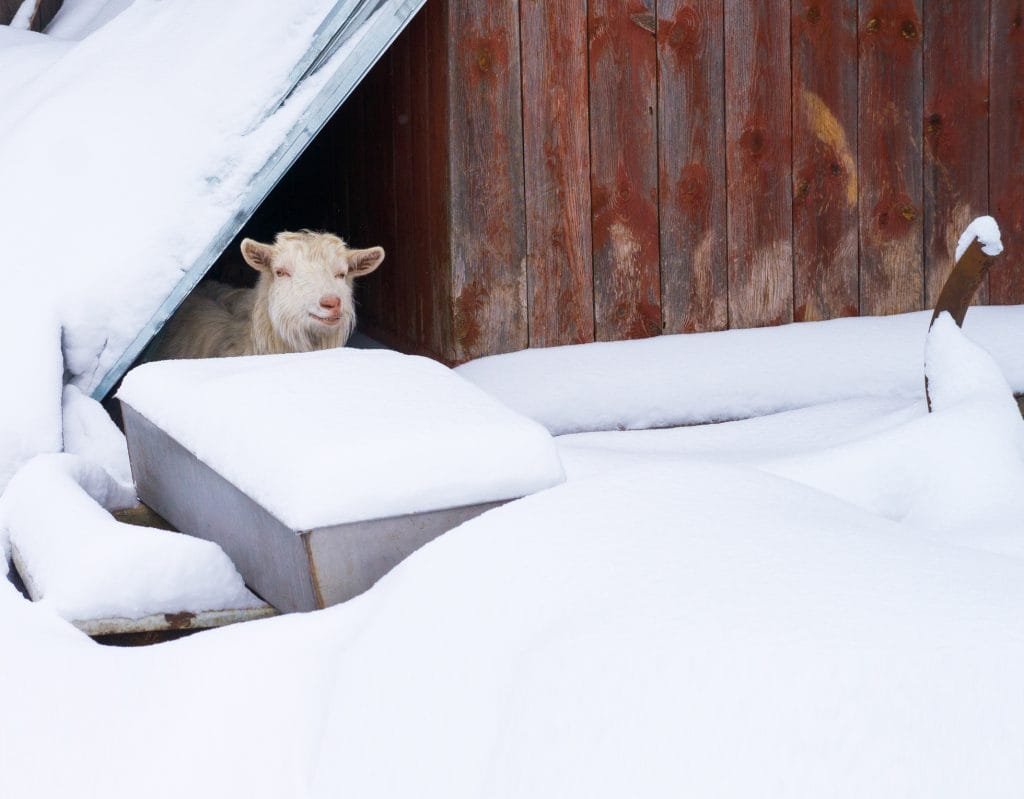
(691, 145)
(402, 269)
(956, 85)
(890, 130)
(488, 221)
(556, 154)
(624, 182)
(759, 162)
(418, 266)
(825, 213)
(439, 245)
(1006, 147)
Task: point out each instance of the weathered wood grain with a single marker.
(759, 162)
(956, 89)
(439, 243)
(691, 147)
(624, 165)
(556, 154)
(417, 269)
(890, 128)
(488, 214)
(1006, 147)
(401, 266)
(825, 211)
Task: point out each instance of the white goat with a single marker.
(302, 301)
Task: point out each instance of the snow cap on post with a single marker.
(986, 230)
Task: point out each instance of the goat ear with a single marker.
(258, 256)
(362, 262)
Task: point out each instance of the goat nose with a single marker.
(331, 302)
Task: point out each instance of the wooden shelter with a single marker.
(554, 172)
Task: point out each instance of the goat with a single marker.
(302, 301)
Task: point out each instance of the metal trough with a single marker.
(293, 570)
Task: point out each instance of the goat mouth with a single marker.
(330, 321)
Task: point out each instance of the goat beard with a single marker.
(299, 334)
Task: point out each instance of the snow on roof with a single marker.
(131, 158)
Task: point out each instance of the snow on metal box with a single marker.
(318, 472)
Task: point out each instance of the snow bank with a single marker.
(735, 374)
(90, 433)
(80, 562)
(345, 435)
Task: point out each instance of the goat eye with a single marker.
(280, 273)
(340, 276)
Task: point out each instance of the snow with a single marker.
(78, 561)
(90, 433)
(365, 434)
(76, 19)
(731, 610)
(986, 230)
(166, 149)
(735, 374)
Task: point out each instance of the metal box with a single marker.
(293, 570)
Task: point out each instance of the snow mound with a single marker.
(986, 230)
(960, 468)
(345, 435)
(80, 562)
(687, 379)
(90, 433)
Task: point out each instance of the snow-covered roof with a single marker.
(140, 137)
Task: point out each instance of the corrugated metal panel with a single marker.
(377, 22)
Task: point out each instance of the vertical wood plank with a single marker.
(556, 154)
(1006, 147)
(373, 290)
(487, 195)
(691, 158)
(825, 214)
(438, 188)
(956, 87)
(624, 182)
(402, 268)
(889, 143)
(759, 162)
(418, 266)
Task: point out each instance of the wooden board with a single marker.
(890, 122)
(439, 256)
(1006, 147)
(825, 211)
(956, 89)
(691, 147)
(488, 207)
(759, 162)
(556, 154)
(624, 164)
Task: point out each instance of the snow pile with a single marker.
(90, 433)
(960, 468)
(735, 374)
(345, 435)
(80, 562)
(986, 230)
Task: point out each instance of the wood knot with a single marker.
(908, 30)
(908, 212)
(813, 14)
(934, 124)
(753, 141)
(645, 21)
(835, 169)
(802, 188)
(874, 24)
(484, 60)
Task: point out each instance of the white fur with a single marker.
(302, 301)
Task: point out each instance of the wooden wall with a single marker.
(547, 172)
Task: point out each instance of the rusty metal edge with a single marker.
(160, 622)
